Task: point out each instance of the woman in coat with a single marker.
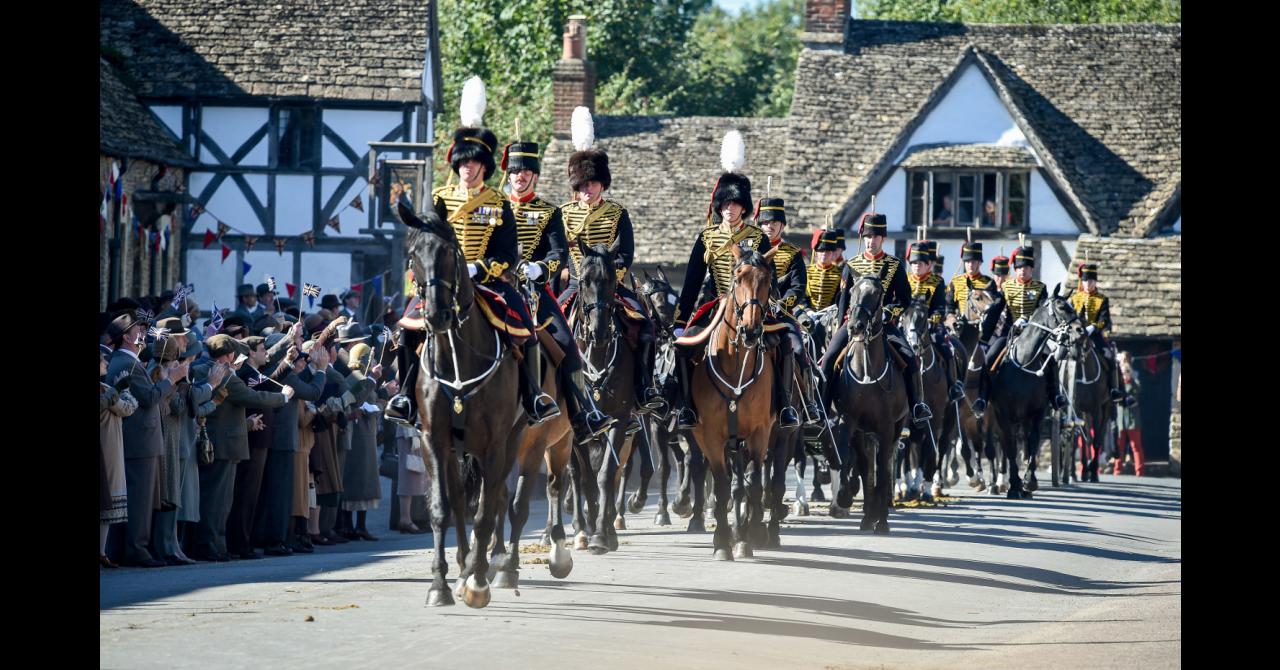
(113, 406)
(361, 489)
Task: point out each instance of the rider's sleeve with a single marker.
(1104, 317)
(898, 293)
(626, 242)
(950, 302)
(553, 246)
(503, 251)
(992, 317)
(794, 284)
(695, 272)
(846, 280)
(937, 306)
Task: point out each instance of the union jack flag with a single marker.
(253, 383)
(311, 290)
(158, 333)
(271, 283)
(215, 320)
(181, 293)
(144, 315)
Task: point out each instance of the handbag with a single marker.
(413, 461)
(204, 445)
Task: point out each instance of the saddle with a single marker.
(491, 303)
(701, 325)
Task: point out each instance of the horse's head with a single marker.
(1072, 336)
(979, 302)
(865, 298)
(597, 283)
(915, 323)
(438, 267)
(662, 298)
(752, 281)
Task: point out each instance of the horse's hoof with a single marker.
(598, 546)
(682, 507)
(926, 497)
(696, 525)
(980, 486)
(952, 480)
(637, 505)
(1004, 488)
(995, 490)
(818, 495)
(620, 523)
(580, 541)
(838, 512)
(913, 494)
(1026, 495)
(742, 550)
(723, 555)
(474, 595)
(1014, 495)
(774, 541)
(662, 518)
(611, 541)
(758, 535)
(802, 508)
(975, 483)
(506, 579)
(459, 587)
(1032, 485)
(560, 562)
(882, 528)
(545, 539)
(439, 598)
(867, 524)
(937, 490)
(495, 563)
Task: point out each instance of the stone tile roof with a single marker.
(1143, 278)
(969, 155)
(127, 129)
(664, 169)
(1102, 104)
(328, 49)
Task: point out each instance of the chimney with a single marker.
(824, 22)
(573, 81)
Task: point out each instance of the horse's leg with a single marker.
(620, 502)
(508, 575)
(1033, 454)
(457, 492)
(1013, 460)
(662, 517)
(777, 491)
(579, 465)
(560, 561)
(802, 496)
(498, 552)
(475, 590)
(757, 536)
(741, 515)
(644, 445)
(883, 495)
(683, 505)
(696, 472)
(606, 478)
(438, 463)
(868, 464)
(722, 537)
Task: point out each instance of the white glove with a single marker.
(532, 270)
(678, 332)
(472, 269)
(1090, 329)
(1020, 323)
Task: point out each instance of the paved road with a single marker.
(1087, 577)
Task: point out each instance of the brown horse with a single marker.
(974, 442)
(734, 394)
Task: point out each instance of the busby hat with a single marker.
(585, 163)
(244, 290)
(771, 209)
(1088, 271)
(472, 141)
(518, 156)
(828, 239)
(1000, 265)
(873, 224)
(971, 251)
(1024, 255)
(732, 186)
(918, 252)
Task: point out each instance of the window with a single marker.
(299, 144)
(982, 199)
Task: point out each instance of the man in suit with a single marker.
(273, 522)
(248, 478)
(143, 439)
(229, 430)
(249, 307)
(351, 305)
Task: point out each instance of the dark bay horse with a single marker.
(733, 390)
(872, 400)
(1084, 381)
(974, 442)
(468, 400)
(1018, 402)
(660, 433)
(920, 460)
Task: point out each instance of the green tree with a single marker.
(1024, 11)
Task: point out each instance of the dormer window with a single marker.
(984, 198)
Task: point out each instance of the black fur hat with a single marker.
(519, 156)
(473, 144)
(589, 165)
(732, 187)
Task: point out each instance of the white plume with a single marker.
(471, 110)
(733, 152)
(582, 128)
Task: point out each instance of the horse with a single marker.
(872, 399)
(734, 395)
(920, 459)
(468, 400)
(817, 331)
(595, 320)
(973, 426)
(1083, 379)
(1018, 403)
(660, 297)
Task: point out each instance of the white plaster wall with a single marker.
(171, 117)
(971, 112)
(891, 201)
(229, 127)
(331, 271)
(1047, 213)
(228, 203)
(350, 219)
(294, 204)
(356, 127)
(266, 261)
(214, 280)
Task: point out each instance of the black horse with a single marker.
(1018, 402)
(660, 433)
(468, 399)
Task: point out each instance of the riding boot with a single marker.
(537, 404)
(588, 421)
(787, 417)
(838, 341)
(814, 413)
(1118, 396)
(1056, 399)
(686, 416)
(402, 408)
(919, 411)
(648, 396)
(955, 388)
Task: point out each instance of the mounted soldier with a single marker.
(543, 249)
(726, 227)
(927, 286)
(822, 284)
(1094, 309)
(589, 220)
(895, 296)
(958, 295)
(1022, 296)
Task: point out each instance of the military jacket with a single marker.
(484, 225)
(897, 293)
(713, 253)
(602, 224)
(540, 231)
(788, 263)
(822, 284)
(1094, 309)
(1022, 299)
(958, 290)
(930, 288)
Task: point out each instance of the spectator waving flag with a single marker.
(215, 319)
(253, 383)
(312, 292)
(157, 333)
(271, 283)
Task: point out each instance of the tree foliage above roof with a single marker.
(1023, 11)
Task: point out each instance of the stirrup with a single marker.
(814, 414)
(633, 427)
(788, 418)
(921, 412)
(1060, 401)
(979, 407)
(956, 391)
(544, 408)
(686, 418)
(654, 402)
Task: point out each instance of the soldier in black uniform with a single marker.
(1094, 309)
(543, 249)
(926, 284)
(957, 299)
(788, 262)
(712, 253)
(593, 219)
(1022, 296)
(897, 293)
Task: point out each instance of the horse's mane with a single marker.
(596, 259)
(753, 258)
